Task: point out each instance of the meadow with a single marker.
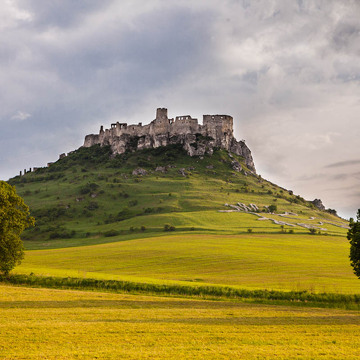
(61, 324)
(217, 285)
(251, 261)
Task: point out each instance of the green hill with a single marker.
(159, 216)
(89, 197)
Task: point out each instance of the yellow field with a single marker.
(61, 324)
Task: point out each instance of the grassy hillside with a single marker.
(258, 261)
(89, 197)
(95, 218)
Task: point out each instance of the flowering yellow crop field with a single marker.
(63, 324)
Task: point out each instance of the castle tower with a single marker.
(161, 114)
(220, 128)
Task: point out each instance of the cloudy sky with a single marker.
(288, 71)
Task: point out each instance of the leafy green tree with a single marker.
(14, 219)
(353, 236)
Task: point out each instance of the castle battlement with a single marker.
(181, 125)
(162, 131)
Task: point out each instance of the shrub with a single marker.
(49, 213)
(133, 203)
(90, 187)
(168, 227)
(144, 163)
(272, 208)
(62, 233)
(110, 233)
(121, 215)
(93, 205)
(250, 230)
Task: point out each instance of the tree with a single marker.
(272, 208)
(14, 219)
(353, 236)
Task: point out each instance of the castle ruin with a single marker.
(215, 132)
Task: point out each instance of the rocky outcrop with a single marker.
(318, 203)
(139, 172)
(182, 172)
(161, 169)
(198, 140)
(236, 166)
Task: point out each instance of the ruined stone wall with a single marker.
(220, 128)
(160, 126)
(91, 140)
(185, 125)
(216, 131)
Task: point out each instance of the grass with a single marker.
(60, 324)
(101, 228)
(88, 194)
(297, 298)
(252, 261)
(200, 222)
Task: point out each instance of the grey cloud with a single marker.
(311, 177)
(60, 13)
(343, 163)
(340, 176)
(122, 62)
(346, 34)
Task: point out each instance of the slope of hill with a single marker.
(90, 197)
(163, 216)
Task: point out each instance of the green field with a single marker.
(280, 262)
(60, 324)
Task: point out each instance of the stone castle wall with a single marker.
(215, 132)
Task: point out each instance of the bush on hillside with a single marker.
(62, 233)
(272, 208)
(168, 227)
(110, 233)
(88, 188)
(93, 205)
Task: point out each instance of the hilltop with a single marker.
(216, 132)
